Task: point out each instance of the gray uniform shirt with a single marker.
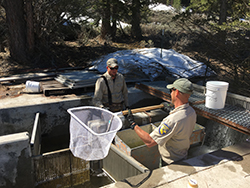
(117, 87)
(173, 134)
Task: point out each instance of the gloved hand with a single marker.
(131, 119)
(126, 108)
(106, 107)
(167, 106)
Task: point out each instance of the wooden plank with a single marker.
(54, 87)
(234, 126)
(26, 76)
(154, 92)
(55, 91)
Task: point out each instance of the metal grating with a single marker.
(233, 116)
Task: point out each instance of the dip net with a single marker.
(92, 130)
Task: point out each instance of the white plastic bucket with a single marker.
(32, 86)
(216, 93)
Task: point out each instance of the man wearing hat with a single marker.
(173, 134)
(111, 90)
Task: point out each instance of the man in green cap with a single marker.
(111, 90)
(173, 134)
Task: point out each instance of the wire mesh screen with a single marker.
(92, 130)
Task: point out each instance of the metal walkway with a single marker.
(233, 116)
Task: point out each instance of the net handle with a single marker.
(125, 112)
(110, 122)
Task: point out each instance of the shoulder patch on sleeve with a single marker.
(164, 129)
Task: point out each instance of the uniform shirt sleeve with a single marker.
(164, 132)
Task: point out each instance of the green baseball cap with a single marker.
(183, 85)
(112, 62)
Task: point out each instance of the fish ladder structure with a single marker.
(234, 116)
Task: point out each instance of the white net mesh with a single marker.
(92, 130)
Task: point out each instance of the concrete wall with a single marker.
(15, 164)
(138, 98)
(53, 115)
(17, 117)
(18, 114)
(219, 136)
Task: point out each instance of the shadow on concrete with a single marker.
(212, 158)
(132, 184)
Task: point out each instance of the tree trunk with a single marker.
(114, 15)
(30, 26)
(222, 19)
(136, 20)
(106, 28)
(223, 12)
(17, 29)
(113, 28)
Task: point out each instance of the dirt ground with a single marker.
(71, 55)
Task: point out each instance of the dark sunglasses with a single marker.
(113, 68)
(173, 89)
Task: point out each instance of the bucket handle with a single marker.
(212, 88)
(211, 96)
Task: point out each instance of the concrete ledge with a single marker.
(15, 165)
(18, 114)
(228, 167)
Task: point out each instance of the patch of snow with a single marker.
(123, 25)
(79, 19)
(166, 8)
(161, 7)
(244, 20)
(148, 62)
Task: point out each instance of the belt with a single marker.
(114, 107)
(113, 104)
(116, 104)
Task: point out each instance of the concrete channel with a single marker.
(34, 140)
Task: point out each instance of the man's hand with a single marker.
(131, 119)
